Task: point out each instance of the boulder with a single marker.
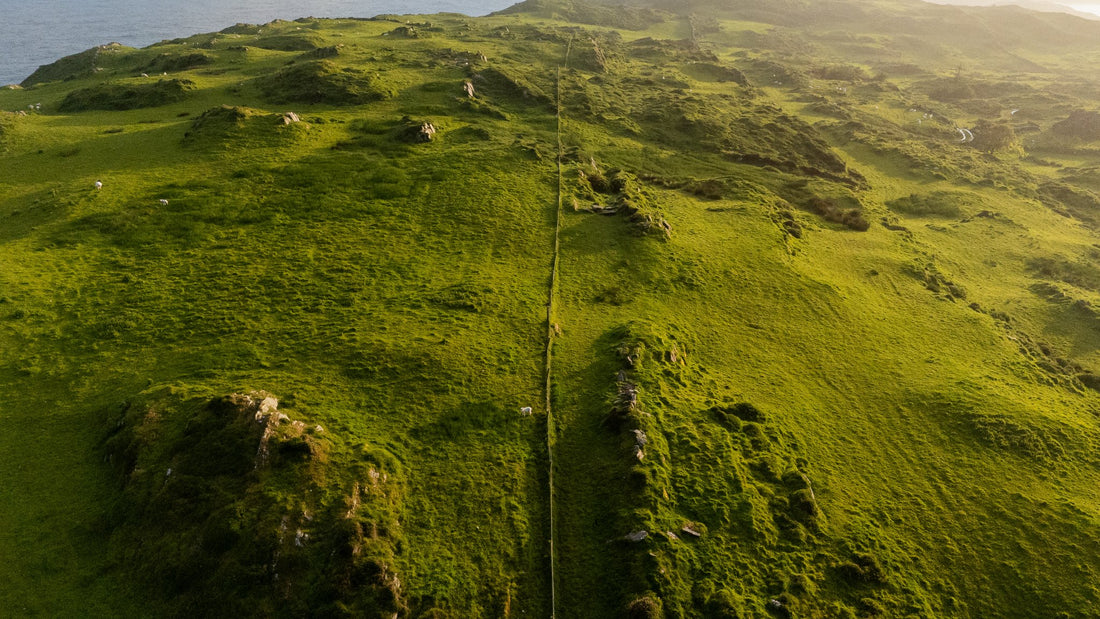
(268, 405)
(427, 130)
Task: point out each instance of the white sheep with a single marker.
(163, 202)
(99, 184)
(525, 411)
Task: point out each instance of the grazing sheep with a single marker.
(99, 184)
(163, 202)
(525, 411)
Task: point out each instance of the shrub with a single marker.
(850, 218)
(840, 72)
(935, 204)
(863, 568)
(645, 607)
(734, 414)
(725, 604)
(991, 137)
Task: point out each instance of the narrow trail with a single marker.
(551, 328)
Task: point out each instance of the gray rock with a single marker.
(427, 130)
(468, 88)
(637, 536)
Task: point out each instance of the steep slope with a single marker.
(738, 310)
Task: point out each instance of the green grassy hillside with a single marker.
(707, 309)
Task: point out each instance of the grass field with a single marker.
(813, 355)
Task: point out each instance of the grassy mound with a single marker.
(591, 13)
(508, 85)
(115, 96)
(241, 128)
(290, 42)
(322, 81)
(83, 64)
(173, 62)
(212, 489)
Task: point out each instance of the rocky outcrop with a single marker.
(231, 502)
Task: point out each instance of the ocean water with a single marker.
(37, 32)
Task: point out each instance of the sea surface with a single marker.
(37, 32)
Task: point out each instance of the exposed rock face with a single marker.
(468, 88)
(290, 117)
(627, 398)
(427, 130)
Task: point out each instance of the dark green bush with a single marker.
(934, 204)
(645, 607)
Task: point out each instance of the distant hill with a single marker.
(1045, 7)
